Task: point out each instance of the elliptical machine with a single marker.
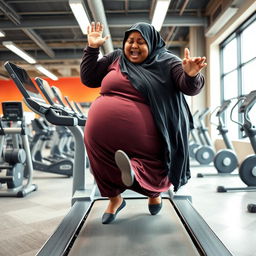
(247, 169)
(225, 160)
(194, 142)
(204, 154)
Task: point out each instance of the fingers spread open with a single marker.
(186, 53)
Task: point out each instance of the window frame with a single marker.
(236, 34)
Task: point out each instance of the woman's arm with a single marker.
(92, 70)
(187, 74)
(185, 83)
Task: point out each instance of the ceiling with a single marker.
(49, 32)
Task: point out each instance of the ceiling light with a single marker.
(2, 34)
(46, 72)
(160, 13)
(221, 21)
(78, 9)
(14, 48)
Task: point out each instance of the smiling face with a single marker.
(135, 48)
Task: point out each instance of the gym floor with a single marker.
(26, 223)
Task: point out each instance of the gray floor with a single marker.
(26, 223)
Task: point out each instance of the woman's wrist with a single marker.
(93, 46)
(92, 50)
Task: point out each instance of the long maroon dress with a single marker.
(121, 119)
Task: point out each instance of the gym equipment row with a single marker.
(226, 161)
(179, 229)
(55, 162)
(55, 98)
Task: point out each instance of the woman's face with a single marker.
(135, 48)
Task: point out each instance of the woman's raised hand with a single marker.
(192, 66)
(94, 35)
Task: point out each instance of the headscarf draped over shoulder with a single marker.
(152, 78)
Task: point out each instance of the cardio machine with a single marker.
(16, 156)
(58, 165)
(179, 229)
(194, 141)
(247, 169)
(204, 153)
(54, 97)
(225, 160)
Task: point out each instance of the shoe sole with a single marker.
(124, 165)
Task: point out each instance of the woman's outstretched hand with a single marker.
(192, 66)
(94, 35)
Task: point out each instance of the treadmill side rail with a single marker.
(59, 241)
(199, 230)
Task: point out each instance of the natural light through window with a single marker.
(248, 77)
(230, 85)
(248, 43)
(230, 56)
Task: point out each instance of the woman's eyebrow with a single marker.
(140, 38)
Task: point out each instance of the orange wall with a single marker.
(69, 86)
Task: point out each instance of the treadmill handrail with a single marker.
(54, 115)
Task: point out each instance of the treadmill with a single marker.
(177, 230)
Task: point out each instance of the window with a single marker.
(230, 85)
(238, 67)
(230, 56)
(248, 43)
(248, 77)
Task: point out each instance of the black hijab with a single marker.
(153, 80)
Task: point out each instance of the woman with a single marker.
(136, 132)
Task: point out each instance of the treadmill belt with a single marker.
(134, 232)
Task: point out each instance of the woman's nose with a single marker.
(135, 45)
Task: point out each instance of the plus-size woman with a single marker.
(136, 135)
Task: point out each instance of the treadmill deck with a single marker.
(134, 232)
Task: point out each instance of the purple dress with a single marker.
(121, 119)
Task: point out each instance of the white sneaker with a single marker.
(124, 165)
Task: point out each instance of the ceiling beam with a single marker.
(15, 18)
(9, 12)
(117, 21)
(39, 41)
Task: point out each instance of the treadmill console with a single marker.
(23, 82)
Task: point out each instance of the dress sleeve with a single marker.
(185, 83)
(92, 69)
